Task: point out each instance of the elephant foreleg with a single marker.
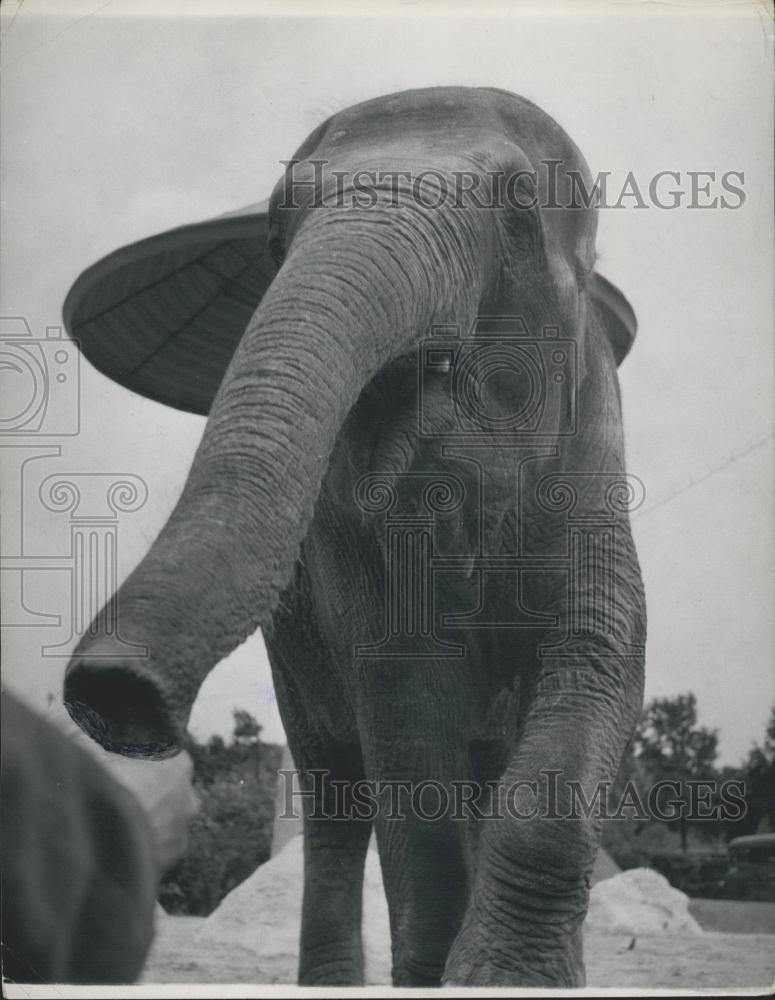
(530, 894)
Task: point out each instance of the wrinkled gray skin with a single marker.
(322, 390)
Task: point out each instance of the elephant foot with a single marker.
(341, 967)
(477, 958)
(332, 977)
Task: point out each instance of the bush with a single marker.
(232, 833)
(696, 876)
(710, 876)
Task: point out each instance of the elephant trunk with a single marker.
(357, 289)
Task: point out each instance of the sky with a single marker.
(120, 120)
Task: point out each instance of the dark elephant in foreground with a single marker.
(412, 479)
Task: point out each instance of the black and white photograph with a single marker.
(386, 444)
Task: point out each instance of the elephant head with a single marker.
(422, 208)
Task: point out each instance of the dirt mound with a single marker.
(639, 902)
(263, 915)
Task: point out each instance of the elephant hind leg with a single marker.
(412, 717)
(426, 881)
(335, 845)
(336, 839)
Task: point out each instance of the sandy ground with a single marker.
(640, 932)
(711, 961)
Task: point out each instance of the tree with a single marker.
(672, 747)
(669, 738)
(758, 772)
(246, 729)
(669, 745)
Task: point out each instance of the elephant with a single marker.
(412, 479)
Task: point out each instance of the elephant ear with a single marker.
(163, 316)
(616, 313)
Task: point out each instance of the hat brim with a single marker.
(163, 316)
(617, 314)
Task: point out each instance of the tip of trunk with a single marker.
(122, 710)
